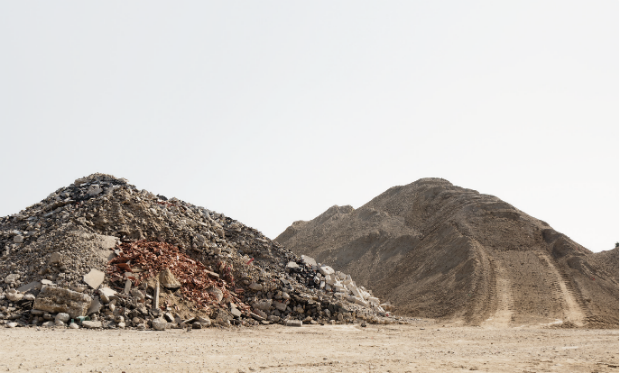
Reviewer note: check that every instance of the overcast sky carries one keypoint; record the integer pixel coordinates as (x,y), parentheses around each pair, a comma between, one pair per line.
(273,111)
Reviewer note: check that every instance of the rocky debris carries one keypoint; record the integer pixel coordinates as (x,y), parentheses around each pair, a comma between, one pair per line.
(112,256)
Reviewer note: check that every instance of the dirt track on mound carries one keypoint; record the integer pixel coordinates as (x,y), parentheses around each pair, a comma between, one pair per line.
(342,348)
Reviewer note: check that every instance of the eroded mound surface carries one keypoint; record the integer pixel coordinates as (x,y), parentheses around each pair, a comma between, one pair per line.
(441,251)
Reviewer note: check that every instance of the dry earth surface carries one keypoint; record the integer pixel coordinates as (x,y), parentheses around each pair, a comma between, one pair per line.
(426,347)
(436,250)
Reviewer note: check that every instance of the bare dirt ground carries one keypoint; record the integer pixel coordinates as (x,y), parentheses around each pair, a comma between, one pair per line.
(338,348)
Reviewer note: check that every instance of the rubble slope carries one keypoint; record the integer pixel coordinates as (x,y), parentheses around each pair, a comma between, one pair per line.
(124,257)
(437,250)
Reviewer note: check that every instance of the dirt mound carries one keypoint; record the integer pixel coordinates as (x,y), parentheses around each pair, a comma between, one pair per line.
(128,258)
(441,251)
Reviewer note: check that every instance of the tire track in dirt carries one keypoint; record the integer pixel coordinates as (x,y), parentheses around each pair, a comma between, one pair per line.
(502,316)
(572,311)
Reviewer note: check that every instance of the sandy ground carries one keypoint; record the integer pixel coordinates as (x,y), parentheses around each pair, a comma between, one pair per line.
(337,348)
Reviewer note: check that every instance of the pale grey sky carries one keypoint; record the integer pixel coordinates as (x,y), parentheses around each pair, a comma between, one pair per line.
(272,111)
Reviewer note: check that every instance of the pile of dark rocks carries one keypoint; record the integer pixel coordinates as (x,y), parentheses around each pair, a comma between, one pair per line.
(62,265)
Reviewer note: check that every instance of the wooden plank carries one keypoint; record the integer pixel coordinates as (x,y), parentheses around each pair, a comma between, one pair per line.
(156,298)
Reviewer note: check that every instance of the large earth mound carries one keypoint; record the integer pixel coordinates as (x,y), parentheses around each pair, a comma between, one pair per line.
(123,257)
(437,250)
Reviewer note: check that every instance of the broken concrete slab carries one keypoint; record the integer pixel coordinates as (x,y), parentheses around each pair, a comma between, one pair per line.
(308,260)
(54,299)
(94,278)
(106,294)
(326,270)
(291,266)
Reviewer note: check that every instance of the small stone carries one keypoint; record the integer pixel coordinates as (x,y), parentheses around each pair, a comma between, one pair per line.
(216,294)
(18,239)
(128,285)
(167,280)
(74,326)
(91,324)
(159,324)
(280,306)
(94,190)
(204,321)
(62,316)
(12,278)
(137,294)
(11,325)
(235,312)
(264,304)
(14,296)
(256,287)
(296,323)
(291,266)
(29,297)
(55,258)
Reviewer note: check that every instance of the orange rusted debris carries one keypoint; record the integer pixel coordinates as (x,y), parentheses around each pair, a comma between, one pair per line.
(153,257)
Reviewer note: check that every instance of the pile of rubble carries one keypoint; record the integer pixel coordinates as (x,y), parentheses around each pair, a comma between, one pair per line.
(103,254)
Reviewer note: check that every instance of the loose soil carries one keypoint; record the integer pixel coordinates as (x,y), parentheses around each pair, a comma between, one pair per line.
(426,347)
(437,250)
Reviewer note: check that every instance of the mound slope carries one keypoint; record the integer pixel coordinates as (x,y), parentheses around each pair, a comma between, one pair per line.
(437,250)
